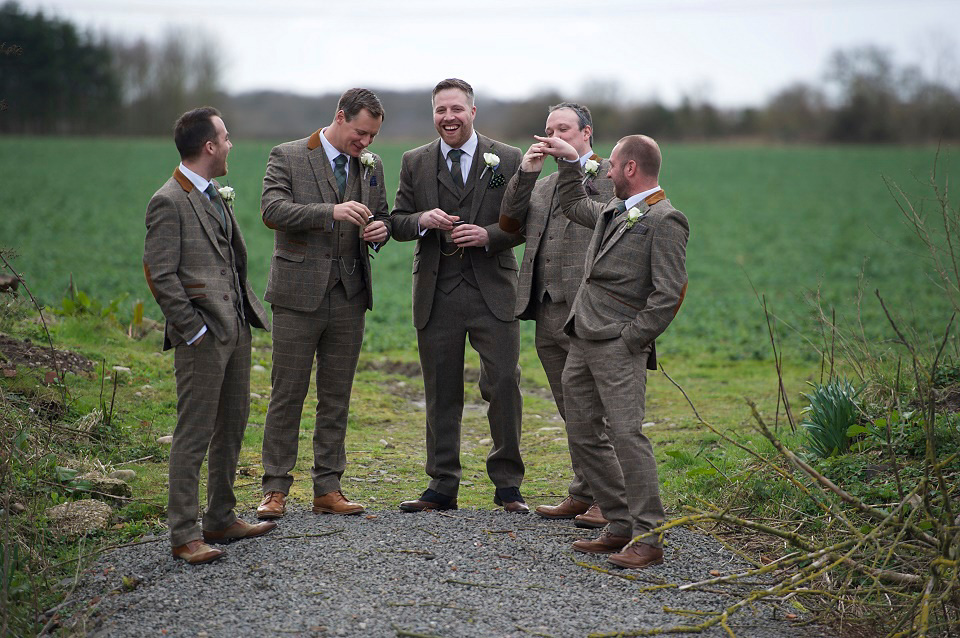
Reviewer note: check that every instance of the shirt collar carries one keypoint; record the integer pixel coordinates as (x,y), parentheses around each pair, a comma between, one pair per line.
(639,197)
(331,151)
(200,182)
(584,158)
(469,147)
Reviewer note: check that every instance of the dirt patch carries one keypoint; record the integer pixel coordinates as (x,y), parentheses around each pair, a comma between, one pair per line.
(27,353)
(387,366)
(950,400)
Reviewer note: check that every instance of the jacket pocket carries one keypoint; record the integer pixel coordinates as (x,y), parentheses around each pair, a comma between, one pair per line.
(508,262)
(288,255)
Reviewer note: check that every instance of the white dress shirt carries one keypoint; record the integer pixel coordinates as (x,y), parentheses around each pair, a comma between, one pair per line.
(633,200)
(333,153)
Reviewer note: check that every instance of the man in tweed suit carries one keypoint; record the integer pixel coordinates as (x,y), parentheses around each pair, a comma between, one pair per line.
(324,198)
(464,285)
(195,262)
(634,282)
(552,267)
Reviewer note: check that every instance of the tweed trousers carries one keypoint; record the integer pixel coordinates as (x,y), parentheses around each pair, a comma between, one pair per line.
(553,346)
(333,335)
(456,316)
(603,378)
(213,402)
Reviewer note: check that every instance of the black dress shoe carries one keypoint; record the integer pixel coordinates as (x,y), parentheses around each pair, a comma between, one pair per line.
(428,501)
(510,499)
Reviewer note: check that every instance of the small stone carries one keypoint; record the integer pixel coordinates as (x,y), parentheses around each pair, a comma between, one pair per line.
(123,475)
(648,424)
(146,387)
(259,368)
(387,444)
(121,369)
(17,508)
(79,517)
(485,442)
(549,428)
(254,395)
(108,487)
(165,440)
(138,394)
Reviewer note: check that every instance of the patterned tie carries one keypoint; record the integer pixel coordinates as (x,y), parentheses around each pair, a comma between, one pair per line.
(340,173)
(215,200)
(621,207)
(455,172)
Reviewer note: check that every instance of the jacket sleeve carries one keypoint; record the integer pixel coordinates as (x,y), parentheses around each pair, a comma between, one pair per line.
(669,277)
(516,201)
(382,213)
(574,202)
(277,206)
(161,262)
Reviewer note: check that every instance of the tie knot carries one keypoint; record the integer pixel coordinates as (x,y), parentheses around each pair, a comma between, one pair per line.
(211,190)
(454,154)
(340,160)
(621,207)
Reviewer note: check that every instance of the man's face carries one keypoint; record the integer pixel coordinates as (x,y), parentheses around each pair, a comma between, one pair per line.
(620,186)
(221,147)
(453,116)
(357,134)
(565,124)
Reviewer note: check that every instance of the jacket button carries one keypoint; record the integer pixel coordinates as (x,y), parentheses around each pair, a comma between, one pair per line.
(327,255)
(223,271)
(226,297)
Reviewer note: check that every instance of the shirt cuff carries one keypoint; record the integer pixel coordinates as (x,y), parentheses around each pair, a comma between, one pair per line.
(202,332)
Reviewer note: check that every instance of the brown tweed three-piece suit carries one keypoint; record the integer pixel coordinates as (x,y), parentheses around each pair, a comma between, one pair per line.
(320,285)
(551,271)
(196,267)
(460,294)
(634,282)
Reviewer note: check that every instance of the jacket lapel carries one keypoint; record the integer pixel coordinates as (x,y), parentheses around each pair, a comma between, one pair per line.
(615,230)
(320,164)
(206,214)
(484,145)
(364,176)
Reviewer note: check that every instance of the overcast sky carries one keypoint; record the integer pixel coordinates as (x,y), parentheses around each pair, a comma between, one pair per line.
(733,52)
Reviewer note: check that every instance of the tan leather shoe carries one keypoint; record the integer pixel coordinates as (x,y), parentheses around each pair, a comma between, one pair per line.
(591,519)
(196,552)
(335,503)
(606,543)
(418,505)
(638,556)
(273,505)
(568,508)
(239,529)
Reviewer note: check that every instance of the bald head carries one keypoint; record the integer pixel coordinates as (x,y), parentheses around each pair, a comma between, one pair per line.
(644,151)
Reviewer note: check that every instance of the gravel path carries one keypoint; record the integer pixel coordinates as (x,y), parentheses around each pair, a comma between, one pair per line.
(463,573)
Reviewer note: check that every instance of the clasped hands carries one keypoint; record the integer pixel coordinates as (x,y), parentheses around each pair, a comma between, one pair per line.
(532,161)
(360,216)
(464,235)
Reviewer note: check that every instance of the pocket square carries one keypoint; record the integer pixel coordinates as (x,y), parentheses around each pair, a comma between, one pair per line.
(373,180)
(497,181)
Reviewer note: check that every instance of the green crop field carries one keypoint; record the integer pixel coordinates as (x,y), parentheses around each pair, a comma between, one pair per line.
(784,221)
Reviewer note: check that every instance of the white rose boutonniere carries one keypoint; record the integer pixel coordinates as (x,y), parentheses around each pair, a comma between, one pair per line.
(227,194)
(591,168)
(633,216)
(492,161)
(369,162)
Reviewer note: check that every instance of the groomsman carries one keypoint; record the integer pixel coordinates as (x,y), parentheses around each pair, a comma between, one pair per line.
(634,282)
(195,262)
(552,267)
(464,286)
(324,197)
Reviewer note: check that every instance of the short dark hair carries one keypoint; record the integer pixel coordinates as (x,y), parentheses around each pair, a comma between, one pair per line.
(453,83)
(583,115)
(193,129)
(644,151)
(355,100)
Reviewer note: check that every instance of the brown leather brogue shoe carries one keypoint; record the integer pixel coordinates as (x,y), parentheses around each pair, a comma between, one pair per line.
(568,508)
(591,519)
(606,543)
(418,505)
(196,552)
(273,505)
(510,499)
(239,529)
(335,503)
(516,507)
(638,556)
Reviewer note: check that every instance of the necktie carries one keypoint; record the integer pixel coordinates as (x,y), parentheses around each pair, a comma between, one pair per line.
(340,173)
(621,207)
(455,172)
(215,200)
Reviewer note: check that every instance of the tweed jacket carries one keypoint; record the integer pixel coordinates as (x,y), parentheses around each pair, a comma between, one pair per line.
(635,277)
(496,267)
(189,276)
(528,204)
(299,193)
